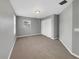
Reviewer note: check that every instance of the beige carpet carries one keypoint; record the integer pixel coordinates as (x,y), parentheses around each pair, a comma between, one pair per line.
(39,47)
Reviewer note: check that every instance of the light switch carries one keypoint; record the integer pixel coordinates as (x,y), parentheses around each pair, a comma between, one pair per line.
(76,29)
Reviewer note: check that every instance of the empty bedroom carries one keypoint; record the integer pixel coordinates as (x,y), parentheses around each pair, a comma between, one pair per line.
(39,29)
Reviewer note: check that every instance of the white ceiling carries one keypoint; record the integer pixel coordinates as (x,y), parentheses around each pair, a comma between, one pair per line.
(46,7)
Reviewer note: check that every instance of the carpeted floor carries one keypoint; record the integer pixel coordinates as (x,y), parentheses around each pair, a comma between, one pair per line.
(39,47)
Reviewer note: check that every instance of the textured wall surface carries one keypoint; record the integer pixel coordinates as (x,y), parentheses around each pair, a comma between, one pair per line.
(75,38)
(7,35)
(65,32)
(33,28)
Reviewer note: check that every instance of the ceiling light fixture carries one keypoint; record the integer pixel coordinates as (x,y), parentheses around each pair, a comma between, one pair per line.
(37,11)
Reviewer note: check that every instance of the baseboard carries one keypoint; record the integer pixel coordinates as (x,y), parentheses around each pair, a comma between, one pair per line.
(50,37)
(73,54)
(55,38)
(28,35)
(11,49)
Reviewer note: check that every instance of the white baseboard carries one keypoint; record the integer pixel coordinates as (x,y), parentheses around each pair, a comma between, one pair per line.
(11,49)
(55,38)
(50,37)
(75,55)
(27,35)
(70,51)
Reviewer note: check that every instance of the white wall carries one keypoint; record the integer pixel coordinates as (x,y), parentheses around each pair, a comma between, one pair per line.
(75,37)
(23,30)
(69,21)
(6,29)
(47,26)
(65,32)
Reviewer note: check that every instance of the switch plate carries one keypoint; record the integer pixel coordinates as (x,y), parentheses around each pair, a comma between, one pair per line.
(76,29)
